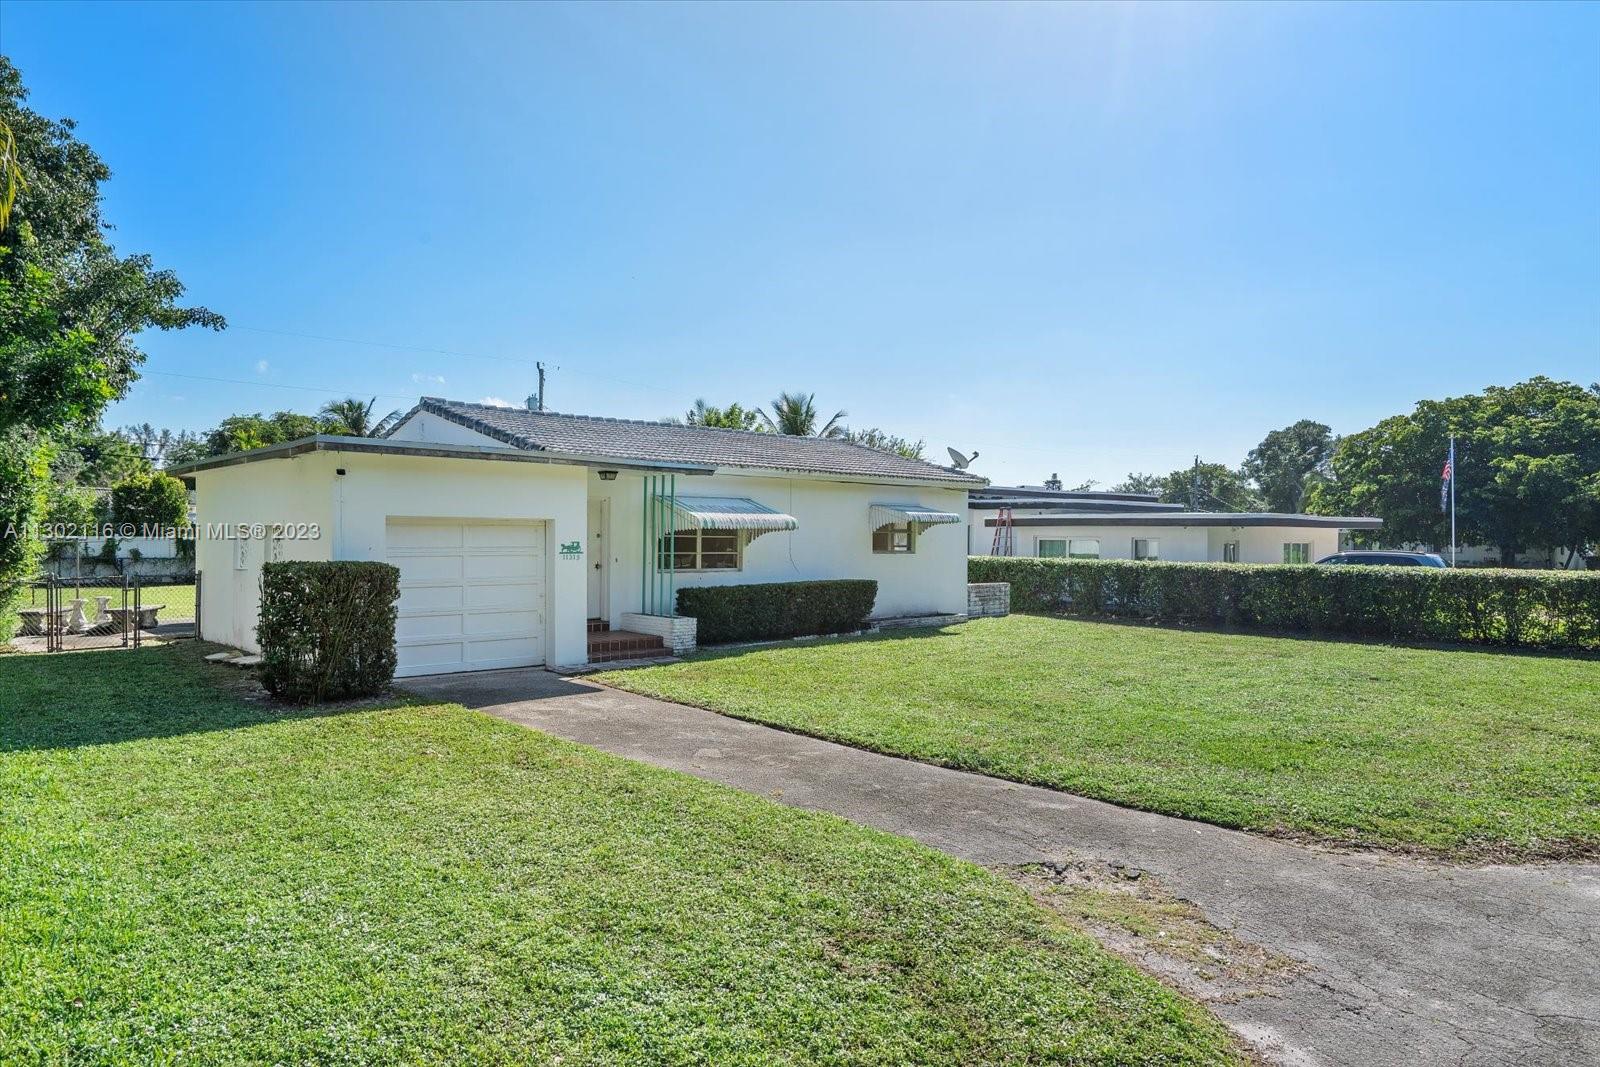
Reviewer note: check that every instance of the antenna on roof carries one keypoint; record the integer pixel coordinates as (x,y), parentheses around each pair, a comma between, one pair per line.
(961,462)
(536,402)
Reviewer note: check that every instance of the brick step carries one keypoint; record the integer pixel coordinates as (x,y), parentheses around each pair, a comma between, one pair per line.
(608,645)
(598,626)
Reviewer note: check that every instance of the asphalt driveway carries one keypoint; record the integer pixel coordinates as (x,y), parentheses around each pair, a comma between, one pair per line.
(1403,962)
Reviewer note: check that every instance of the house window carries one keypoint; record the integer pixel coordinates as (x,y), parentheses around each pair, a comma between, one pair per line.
(897,537)
(1083,548)
(703,550)
(1296,552)
(1230,552)
(1052,548)
(1146,548)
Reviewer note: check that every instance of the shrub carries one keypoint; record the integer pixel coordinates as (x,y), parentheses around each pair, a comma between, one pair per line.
(327,629)
(154,499)
(777,609)
(1539,609)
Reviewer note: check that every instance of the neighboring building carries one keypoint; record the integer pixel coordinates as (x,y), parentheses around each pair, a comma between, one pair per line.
(1051,522)
(513,528)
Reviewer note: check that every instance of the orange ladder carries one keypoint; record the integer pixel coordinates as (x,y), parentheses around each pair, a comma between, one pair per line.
(1005,540)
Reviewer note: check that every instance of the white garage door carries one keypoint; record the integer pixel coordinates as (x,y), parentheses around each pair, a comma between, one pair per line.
(471,595)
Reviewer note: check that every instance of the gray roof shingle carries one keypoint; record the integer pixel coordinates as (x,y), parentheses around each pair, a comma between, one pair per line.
(632,439)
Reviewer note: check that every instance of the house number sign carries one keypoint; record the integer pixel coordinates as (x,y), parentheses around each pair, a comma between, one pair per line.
(571,549)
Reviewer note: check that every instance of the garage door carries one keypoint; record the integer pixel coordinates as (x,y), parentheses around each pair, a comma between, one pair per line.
(471,595)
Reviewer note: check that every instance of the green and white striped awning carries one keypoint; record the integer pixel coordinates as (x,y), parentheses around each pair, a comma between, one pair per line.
(728,513)
(881,515)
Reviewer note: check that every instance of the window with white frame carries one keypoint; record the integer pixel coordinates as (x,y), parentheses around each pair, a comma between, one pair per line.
(899,537)
(1083,548)
(1230,552)
(1146,548)
(1052,548)
(1296,552)
(703,550)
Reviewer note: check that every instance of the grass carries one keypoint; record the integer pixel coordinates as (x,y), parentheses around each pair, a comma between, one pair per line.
(190,874)
(1450,752)
(177,601)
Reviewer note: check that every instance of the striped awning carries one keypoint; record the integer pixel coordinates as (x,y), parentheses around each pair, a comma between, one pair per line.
(881,515)
(728,513)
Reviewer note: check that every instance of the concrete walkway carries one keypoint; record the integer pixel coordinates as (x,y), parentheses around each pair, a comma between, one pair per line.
(1406,963)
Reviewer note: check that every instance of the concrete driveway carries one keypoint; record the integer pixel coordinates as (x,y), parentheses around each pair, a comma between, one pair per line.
(1404,962)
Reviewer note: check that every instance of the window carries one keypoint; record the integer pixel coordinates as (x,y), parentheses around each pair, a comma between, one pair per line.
(703,550)
(1296,552)
(1052,548)
(1230,552)
(1083,548)
(897,537)
(1146,548)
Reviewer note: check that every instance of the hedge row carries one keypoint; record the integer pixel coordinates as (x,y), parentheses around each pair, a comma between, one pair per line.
(1537,609)
(326,630)
(775,610)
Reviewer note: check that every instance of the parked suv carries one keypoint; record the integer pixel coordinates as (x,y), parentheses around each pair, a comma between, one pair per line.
(1385,559)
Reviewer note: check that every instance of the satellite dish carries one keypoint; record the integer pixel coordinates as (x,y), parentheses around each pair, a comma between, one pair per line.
(961,462)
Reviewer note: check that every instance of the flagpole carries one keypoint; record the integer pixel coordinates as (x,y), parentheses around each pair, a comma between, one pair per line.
(1452,500)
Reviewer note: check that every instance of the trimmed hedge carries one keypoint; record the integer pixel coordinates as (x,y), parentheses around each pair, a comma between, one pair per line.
(1526,609)
(327,629)
(774,610)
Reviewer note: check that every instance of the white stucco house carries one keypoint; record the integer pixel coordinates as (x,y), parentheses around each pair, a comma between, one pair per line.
(526,537)
(1047,522)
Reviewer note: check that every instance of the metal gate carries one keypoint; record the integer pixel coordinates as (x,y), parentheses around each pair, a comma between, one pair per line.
(72,614)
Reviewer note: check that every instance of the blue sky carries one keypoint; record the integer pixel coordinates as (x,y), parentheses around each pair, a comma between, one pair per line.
(1087,239)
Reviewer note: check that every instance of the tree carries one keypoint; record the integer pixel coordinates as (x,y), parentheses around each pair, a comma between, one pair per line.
(732,417)
(352,418)
(886,442)
(70,306)
(1527,470)
(153,499)
(70,310)
(157,446)
(1150,484)
(795,414)
(95,458)
(240,433)
(1288,462)
(1203,487)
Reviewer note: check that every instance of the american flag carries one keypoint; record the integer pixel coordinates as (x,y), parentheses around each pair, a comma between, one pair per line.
(1447,477)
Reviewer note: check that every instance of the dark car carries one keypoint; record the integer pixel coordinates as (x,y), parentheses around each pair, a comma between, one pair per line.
(1384,559)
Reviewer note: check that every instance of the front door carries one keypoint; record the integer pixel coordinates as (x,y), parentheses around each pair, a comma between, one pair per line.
(598,558)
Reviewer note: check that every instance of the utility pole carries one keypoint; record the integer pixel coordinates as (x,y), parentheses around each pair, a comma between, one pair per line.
(1453,503)
(1194,486)
(541,387)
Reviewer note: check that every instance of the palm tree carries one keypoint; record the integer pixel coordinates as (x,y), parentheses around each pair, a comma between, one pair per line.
(795,414)
(352,418)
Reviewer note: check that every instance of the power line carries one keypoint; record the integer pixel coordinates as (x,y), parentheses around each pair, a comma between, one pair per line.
(275,385)
(439,352)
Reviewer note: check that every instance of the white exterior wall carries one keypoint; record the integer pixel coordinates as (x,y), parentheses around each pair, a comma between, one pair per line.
(833,540)
(1183,544)
(289,491)
(353,511)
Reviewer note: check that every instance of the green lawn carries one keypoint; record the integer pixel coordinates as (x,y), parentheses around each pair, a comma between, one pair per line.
(188,875)
(1467,754)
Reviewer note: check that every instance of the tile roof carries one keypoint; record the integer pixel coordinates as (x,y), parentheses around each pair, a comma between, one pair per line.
(632,439)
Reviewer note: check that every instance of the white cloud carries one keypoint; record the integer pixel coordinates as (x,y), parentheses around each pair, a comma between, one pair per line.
(262,366)
(428,379)
(497,402)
